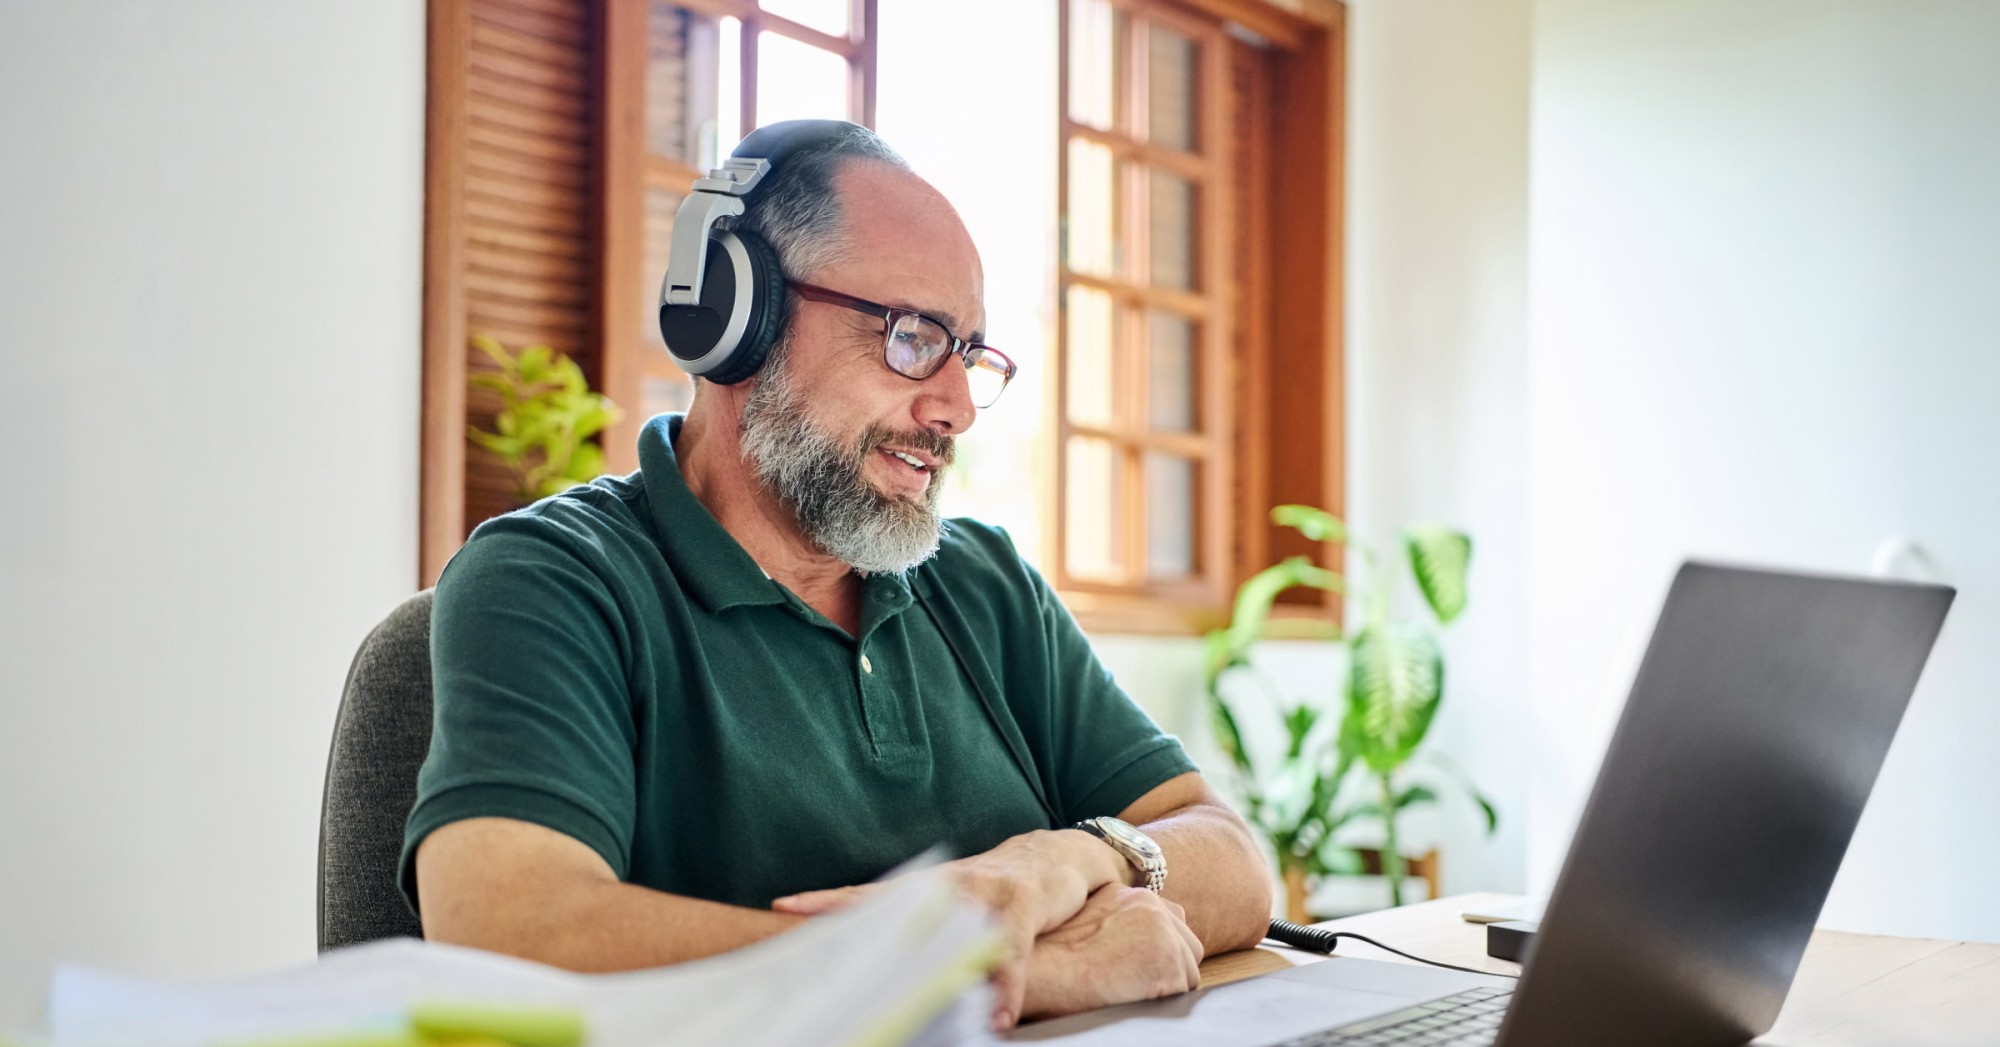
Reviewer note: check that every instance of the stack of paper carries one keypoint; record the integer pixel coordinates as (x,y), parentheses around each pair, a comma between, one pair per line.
(906,965)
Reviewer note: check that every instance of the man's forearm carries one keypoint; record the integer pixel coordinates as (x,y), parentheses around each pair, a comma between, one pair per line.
(566,909)
(1216,872)
(614,927)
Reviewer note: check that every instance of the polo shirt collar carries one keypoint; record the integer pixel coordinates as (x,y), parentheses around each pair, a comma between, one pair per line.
(706,558)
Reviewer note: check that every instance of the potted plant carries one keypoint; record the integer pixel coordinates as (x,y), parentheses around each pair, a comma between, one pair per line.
(547,417)
(1329,773)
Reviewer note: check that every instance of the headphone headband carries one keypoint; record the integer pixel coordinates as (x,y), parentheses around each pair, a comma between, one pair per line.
(725,332)
(725,192)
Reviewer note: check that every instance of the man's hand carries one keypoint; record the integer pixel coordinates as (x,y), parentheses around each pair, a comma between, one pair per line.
(1033,883)
(1125,944)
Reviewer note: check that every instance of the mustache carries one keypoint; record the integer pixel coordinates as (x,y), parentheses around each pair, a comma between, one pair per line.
(938,446)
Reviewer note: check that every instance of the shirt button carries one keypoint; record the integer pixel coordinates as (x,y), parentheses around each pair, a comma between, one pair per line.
(866,665)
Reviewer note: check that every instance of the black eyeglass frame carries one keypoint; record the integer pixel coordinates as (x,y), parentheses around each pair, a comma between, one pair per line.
(889,314)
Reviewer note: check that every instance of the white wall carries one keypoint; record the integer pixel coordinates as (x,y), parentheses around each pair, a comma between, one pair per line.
(1765,246)
(210,278)
(1437,358)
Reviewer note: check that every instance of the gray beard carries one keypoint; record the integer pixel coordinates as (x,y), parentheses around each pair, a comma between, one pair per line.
(823,484)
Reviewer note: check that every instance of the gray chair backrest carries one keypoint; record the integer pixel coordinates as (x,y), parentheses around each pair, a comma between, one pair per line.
(380,737)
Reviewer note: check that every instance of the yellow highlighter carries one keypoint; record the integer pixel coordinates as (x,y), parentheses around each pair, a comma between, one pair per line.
(466,1023)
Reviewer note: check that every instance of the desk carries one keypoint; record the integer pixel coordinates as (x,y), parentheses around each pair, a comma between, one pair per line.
(1852,990)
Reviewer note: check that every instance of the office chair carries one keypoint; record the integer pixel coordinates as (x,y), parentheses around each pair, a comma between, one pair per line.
(380,737)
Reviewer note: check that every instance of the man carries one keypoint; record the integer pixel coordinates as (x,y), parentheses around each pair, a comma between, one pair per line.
(682,711)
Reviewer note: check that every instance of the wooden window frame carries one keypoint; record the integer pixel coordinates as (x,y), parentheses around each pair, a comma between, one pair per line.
(1271,400)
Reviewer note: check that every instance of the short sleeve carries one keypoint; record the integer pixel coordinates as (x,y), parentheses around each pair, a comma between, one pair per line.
(533,711)
(1107,753)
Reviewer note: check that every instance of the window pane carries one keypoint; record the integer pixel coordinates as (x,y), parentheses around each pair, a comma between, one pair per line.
(798,81)
(1089,351)
(1094,534)
(1094,29)
(827,16)
(714,89)
(1092,226)
(1170,516)
(1170,386)
(1170,105)
(1171,206)
(671,114)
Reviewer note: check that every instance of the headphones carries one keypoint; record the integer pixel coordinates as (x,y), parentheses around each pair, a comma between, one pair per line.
(722,304)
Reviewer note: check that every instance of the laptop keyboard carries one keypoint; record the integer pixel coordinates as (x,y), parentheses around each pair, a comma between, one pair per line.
(1469,1019)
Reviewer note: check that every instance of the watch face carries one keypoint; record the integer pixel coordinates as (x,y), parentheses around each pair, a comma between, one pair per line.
(1129,836)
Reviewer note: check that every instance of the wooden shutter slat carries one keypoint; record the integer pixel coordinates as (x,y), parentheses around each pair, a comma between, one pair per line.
(484,135)
(499,238)
(514,336)
(511,216)
(510,67)
(507,116)
(576,11)
(563,29)
(564,328)
(504,287)
(489,37)
(560,272)
(545,196)
(508,168)
(486,88)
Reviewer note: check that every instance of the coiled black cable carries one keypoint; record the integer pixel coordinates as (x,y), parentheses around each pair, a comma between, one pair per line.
(1314,939)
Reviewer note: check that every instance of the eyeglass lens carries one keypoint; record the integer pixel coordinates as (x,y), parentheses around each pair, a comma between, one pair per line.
(917,348)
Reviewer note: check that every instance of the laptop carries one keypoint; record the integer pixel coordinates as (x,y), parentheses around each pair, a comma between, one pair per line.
(1753,734)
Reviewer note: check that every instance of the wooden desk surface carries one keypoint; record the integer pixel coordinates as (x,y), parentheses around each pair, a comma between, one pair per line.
(1853,990)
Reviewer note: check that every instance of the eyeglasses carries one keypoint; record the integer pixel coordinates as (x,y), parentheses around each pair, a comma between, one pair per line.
(916,346)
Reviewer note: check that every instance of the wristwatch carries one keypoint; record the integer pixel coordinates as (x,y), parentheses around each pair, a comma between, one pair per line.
(1135,846)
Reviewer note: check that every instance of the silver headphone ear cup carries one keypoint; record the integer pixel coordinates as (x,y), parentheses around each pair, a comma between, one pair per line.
(764,323)
(703,337)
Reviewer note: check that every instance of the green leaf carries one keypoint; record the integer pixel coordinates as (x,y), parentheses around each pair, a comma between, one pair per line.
(1394,682)
(1298,724)
(1438,557)
(1486,806)
(1217,656)
(556,485)
(586,464)
(1316,524)
(1414,795)
(1255,596)
(493,352)
(1227,734)
(547,417)
(534,363)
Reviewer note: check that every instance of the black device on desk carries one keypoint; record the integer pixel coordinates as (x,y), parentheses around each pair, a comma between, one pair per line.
(1754,732)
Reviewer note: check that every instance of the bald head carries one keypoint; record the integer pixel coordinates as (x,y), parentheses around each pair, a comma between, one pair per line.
(901,239)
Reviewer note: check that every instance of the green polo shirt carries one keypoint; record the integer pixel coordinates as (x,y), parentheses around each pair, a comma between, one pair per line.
(611,664)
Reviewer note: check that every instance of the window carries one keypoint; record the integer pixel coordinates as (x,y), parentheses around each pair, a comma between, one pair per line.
(1182,243)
